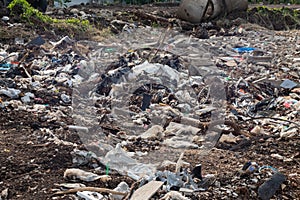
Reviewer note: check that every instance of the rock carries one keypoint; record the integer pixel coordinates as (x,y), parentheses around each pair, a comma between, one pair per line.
(74,11)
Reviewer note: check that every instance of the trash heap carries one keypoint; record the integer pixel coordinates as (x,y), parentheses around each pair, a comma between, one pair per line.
(141,102)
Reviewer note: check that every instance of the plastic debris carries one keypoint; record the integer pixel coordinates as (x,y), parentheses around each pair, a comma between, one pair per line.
(150,97)
(67,40)
(84,176)
(244,49)
(86,195)
(11,92)
(71,185)
(121,161)
(38,41)
(174,195)
(5,66)
(81,157)
(155,132)
(122,187)
(288,84)
(65,98)
(85,129)
(267,167)
(27,97)
(250,167)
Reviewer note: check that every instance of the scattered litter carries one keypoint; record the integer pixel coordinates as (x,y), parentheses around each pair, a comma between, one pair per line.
(160,113)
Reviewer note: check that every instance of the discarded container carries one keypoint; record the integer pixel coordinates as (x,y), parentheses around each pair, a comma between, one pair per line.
(192,10)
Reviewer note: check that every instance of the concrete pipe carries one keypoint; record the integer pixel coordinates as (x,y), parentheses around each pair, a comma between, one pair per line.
(196,10)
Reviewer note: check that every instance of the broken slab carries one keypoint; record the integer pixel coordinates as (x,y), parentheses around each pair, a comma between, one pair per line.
(147,191)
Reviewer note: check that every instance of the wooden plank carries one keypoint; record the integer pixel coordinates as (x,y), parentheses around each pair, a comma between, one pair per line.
(147,191)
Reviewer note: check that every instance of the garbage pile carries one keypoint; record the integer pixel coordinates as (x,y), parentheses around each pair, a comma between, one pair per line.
(142,99)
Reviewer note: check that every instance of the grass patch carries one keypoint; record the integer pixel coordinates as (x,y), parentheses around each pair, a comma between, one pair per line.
(25,12)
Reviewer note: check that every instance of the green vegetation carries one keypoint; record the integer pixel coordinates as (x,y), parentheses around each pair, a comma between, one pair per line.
(275,18)
(30,14)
